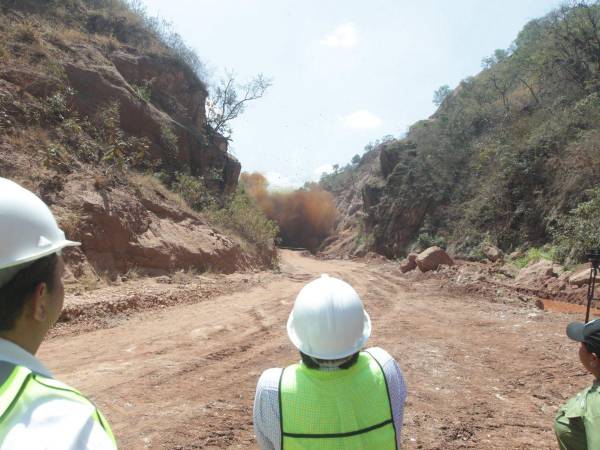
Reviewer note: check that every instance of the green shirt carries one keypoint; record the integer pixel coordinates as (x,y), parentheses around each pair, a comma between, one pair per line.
(577,424)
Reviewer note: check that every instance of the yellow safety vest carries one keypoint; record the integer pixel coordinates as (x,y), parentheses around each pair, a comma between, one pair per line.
(21,389)
(343,409)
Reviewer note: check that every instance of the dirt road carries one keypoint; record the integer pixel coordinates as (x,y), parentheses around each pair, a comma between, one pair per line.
(484,371)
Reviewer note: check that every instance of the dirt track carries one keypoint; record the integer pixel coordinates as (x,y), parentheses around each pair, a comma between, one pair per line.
(483,371)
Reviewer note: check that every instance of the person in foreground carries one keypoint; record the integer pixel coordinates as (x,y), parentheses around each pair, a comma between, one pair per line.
(36,410)
(577,424)
(337,396)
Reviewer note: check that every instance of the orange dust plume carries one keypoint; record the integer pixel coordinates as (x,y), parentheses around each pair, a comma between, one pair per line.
(305,216)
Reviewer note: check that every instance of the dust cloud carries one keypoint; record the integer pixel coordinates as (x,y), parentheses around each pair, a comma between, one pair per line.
(305,216)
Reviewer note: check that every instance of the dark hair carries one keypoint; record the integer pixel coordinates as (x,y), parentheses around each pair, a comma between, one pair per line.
(15,293)
(312,364)
(590,348)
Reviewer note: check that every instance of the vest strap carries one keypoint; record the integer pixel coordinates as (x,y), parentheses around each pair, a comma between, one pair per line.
(339,435)
(12,388)
(387,389)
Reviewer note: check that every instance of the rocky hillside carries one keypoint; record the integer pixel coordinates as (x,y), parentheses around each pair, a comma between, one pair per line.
(93,94)
(510,158)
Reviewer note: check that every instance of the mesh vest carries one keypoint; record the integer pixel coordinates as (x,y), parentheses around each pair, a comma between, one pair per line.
(21,389)
(344,409)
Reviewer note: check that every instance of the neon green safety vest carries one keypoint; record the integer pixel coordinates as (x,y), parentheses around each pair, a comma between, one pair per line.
(20,389)
(343,409)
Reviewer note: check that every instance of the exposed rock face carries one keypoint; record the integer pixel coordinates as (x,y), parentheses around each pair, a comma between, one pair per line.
(35,83)
(173,87)
(393,223)
(389,156)
(98,82)
(368,203)
(352,200)
(432,258)
(122,229)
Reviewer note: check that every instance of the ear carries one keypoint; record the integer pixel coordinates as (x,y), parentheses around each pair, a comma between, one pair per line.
(39,308)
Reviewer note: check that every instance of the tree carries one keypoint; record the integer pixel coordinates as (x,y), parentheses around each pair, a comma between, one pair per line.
(574,32)
(228,100)
(356,159)
(498,56)
(440,94)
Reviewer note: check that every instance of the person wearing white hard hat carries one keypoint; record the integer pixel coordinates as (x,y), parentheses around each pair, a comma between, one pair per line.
(338,396)
(36,410)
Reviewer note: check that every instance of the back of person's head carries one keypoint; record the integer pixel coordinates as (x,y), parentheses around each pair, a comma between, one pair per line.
(328,321)
(30,241)
(14,293)
(316,363)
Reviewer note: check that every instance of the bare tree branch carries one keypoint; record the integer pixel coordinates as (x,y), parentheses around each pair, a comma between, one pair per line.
(225,104)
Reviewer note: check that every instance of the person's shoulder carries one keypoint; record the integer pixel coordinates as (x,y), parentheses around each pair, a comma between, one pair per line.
(269,379)
(380,355)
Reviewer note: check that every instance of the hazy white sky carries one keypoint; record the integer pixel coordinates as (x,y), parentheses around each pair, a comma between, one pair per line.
(345,72)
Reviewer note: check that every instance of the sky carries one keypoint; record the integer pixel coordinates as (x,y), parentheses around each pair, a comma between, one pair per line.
(344,72)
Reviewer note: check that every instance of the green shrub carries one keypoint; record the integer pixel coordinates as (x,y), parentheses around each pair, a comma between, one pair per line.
(576,234)
(194,191)
(119,150)
(243,215)
(59,104)
(143,91)
(534,255)
(426,240)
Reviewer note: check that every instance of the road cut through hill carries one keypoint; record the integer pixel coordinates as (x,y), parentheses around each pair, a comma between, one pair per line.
(484,370)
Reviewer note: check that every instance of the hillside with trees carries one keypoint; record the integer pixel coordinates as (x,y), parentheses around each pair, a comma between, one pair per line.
(511,157)
(107,115)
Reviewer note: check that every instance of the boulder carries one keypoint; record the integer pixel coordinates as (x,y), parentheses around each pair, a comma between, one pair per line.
(536,274)
(410,263)
(581,278)
(508,270)
(514,255)
(431,259)
(492,252)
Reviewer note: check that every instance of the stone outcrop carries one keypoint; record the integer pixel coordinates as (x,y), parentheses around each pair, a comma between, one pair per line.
(99,82)
(142,229)
(173,87)
(390,155)
(581,278)
(432,258)
(492,252)
(536,274)
(410,263)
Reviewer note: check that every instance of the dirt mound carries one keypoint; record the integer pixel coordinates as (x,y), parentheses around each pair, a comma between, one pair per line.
(142,227)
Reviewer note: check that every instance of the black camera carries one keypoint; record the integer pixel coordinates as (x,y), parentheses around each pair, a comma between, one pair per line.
(594,259)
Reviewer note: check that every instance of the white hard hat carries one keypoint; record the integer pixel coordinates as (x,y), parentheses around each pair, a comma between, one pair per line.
(328,320)
(28,230)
